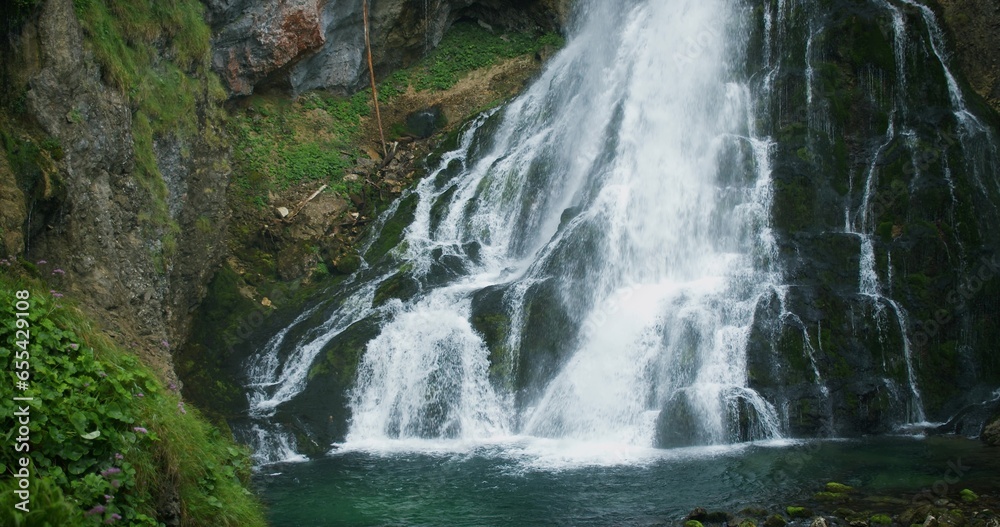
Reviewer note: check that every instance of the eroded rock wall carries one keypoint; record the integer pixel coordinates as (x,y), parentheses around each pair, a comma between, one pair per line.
(313,44)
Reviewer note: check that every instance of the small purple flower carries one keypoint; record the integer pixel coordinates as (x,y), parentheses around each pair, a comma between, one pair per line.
(41,262)
(111,471)
(108,497)
(114,517)
(165,343)
(55,294)
(140,430)
(139,395)
(119,456)
(98,509)
(75,346)
(58,271)
(180,406)
(172,387)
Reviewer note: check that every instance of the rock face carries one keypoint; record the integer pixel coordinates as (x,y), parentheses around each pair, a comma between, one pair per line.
(254,39)
(991,434)
(974,25)
(883,212)
(306,44)
(91,212)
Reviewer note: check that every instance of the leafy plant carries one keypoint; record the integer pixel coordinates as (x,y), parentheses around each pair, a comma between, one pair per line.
(107,438)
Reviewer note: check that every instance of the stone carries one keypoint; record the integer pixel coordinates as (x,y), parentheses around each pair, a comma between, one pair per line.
(819,521)
(698,513)
(798,512)
(254,39)
(991,433)
(281,212)
(426,122)
(881,519)
(776,520)
(838,487)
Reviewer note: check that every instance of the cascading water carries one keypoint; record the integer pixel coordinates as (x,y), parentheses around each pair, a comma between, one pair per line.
(595,260)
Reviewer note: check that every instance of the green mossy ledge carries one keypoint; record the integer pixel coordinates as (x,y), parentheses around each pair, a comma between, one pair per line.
(109,443)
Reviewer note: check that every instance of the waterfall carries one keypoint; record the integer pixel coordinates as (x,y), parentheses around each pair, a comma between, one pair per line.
(640,187)
(591,262)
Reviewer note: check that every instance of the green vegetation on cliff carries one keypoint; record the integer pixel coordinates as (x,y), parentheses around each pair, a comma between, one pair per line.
(157,55)
(109,443)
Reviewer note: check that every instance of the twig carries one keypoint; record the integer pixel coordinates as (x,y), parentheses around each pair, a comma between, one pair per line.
(371,72)
(303,203)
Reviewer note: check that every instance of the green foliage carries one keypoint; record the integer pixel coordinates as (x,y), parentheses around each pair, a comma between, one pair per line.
(279,143)
(107,438)
(466,47)
(881,519)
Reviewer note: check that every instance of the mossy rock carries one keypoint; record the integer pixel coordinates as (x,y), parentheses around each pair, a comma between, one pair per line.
(756,512)
(880,519)
(776,520)
(831,496)
(844,512)
(693,523)
(798,512)
(838,487)
(718,517)
(747,523)
(348,263)
(968,496)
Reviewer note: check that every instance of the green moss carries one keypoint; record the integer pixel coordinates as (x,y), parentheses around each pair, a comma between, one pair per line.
(881,519)
(96,408)
(401,285)
(391,233)
(968,496)
(693,523)
(465,47)
(830,496)
(838,487)
(798,512)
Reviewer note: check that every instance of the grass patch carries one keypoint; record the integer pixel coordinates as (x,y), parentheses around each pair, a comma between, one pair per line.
(466,47)
(279,143)
(109,442)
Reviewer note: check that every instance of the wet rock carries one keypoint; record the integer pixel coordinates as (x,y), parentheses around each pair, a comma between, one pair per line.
(819,521)
(425,123)
(798,512)
(915,515)
(698,513)
(838,487)
(880,519)
(775,520)
(991,433)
